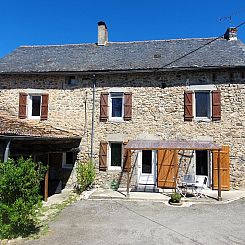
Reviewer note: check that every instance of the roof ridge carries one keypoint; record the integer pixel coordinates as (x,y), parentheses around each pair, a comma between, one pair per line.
(56,45)
(167,40)
(117,42)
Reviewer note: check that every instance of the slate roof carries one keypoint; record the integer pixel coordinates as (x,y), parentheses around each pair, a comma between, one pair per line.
(119,56)
(12,126)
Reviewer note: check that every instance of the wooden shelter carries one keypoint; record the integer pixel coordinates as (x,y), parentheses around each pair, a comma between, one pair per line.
(167,160)
(41,141)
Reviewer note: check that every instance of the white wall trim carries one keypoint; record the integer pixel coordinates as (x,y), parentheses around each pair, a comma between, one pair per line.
(210,87)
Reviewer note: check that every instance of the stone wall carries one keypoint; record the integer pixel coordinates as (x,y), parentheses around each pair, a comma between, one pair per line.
(158,109)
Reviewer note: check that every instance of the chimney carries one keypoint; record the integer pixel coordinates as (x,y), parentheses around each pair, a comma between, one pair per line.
(102,33)
(231,33)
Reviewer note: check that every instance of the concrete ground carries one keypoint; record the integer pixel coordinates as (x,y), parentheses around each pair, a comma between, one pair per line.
(121,221)
(211,196)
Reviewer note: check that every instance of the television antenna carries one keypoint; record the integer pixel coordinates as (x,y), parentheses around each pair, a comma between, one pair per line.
(231,16)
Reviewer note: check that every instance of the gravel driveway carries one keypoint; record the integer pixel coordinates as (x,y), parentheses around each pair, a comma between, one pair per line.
(130,222)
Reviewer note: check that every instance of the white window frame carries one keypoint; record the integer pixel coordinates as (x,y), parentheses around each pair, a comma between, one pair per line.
(64,164)
(109,156)
(201,88)
(116,119)
(210,106)
(29,106)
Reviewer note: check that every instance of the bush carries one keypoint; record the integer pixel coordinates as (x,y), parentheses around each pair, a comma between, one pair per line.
(19,197)
(85,175)
(175,197)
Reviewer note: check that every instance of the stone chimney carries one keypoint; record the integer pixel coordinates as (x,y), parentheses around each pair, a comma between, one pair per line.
(102,33)
(231,33)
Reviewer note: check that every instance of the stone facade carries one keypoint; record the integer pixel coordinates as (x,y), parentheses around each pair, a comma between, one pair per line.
(157,109)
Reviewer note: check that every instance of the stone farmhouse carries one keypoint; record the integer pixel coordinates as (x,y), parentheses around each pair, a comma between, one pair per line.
(146,112)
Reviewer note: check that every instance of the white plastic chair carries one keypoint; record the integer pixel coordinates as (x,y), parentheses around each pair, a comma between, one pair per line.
(200,184)
(187,183)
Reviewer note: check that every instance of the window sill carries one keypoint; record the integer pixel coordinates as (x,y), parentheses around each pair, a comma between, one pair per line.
(202,119)
(116,119)
(111,168)
(34,118)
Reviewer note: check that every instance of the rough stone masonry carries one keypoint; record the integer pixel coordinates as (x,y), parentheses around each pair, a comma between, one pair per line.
(158,109)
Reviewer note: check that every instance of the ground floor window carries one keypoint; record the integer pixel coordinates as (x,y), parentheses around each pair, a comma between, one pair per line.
(115,156)
(68,160)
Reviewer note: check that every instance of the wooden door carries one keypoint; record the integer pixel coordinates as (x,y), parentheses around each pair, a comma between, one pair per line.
(167,168)
(224,168)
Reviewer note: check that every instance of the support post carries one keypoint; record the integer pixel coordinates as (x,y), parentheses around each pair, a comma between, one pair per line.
(219,178)
(128,177)
(46,186)
(128,173)
(46,183)
(6,153)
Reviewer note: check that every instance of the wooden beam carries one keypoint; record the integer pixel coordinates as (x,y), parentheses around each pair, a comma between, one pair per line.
(128,173)
(46,186)
(46,183)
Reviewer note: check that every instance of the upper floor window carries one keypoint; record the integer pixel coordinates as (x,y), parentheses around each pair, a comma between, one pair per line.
(116,106)
(202,103)
(33,106)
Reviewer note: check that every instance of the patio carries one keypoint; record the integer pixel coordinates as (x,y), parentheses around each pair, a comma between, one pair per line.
(169,157)
(163,196)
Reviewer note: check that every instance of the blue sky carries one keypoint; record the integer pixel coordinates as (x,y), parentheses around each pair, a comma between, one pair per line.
(41,22)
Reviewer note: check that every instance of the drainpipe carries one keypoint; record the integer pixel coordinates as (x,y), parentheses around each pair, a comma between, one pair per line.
(93,113)
(6,153)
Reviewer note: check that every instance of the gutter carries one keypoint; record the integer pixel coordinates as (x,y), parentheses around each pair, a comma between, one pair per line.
(16,137)
(148,70)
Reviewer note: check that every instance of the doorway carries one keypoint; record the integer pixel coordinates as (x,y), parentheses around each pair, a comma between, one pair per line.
(147,167)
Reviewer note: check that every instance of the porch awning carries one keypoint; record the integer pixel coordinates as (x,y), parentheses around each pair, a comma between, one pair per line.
(172,145)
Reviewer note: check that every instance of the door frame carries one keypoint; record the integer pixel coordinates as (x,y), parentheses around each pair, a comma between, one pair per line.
(150,178)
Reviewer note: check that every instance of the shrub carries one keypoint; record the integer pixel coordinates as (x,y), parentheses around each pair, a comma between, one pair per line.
(175,197)
(85,175)
(19,196)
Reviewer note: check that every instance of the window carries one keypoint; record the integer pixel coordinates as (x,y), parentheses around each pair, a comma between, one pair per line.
(116,106)
(68,160)
(72,80)
(33,106)
(202,104)
(115,155)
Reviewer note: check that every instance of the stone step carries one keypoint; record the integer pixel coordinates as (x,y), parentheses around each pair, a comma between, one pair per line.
(146,188)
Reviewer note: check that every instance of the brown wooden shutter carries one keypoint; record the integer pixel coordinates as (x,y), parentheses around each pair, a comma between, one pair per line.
(188,114)
(104,107)
(44,107)
(167,171)
(22,105)
(224,168)
(103,156)
(216,105)
(127,106)
(126,158)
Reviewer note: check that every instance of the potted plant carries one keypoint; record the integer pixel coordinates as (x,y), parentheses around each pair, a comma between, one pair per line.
(175,199)
(114,185)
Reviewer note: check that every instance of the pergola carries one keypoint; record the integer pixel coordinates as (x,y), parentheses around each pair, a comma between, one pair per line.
(175,145)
